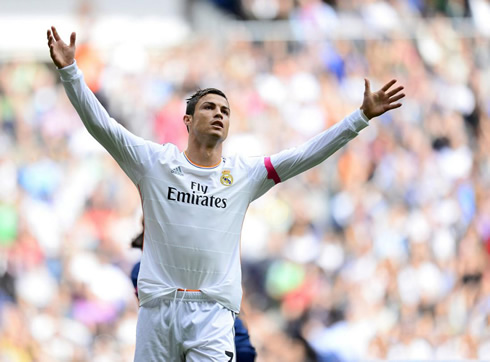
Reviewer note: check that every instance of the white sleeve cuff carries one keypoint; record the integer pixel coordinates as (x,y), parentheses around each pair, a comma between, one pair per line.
(363,115)
(359,120)
(70,72)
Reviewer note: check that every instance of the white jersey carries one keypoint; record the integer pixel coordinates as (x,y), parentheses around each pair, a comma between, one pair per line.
(193,215)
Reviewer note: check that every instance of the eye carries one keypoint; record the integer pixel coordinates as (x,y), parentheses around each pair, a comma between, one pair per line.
(225,111)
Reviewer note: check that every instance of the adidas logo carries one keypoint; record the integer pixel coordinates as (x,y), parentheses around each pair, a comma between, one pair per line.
(177,171)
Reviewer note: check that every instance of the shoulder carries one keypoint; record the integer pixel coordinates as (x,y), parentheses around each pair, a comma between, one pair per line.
(246,162)
(170,147)
(168,150)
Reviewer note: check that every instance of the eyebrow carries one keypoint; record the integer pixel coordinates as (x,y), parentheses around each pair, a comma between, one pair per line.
(214,104)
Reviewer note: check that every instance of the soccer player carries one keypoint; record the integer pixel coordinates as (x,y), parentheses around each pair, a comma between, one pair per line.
(194,203)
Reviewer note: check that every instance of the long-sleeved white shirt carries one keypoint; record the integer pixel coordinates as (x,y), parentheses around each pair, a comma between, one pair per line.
(193,215)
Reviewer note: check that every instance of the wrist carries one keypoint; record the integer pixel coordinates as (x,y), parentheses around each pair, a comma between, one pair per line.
(365,113)
(69,72)
(65,64)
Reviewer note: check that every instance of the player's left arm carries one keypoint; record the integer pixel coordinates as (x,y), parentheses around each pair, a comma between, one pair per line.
(291,162)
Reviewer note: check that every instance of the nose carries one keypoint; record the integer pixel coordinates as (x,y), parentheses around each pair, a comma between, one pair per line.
(218,114)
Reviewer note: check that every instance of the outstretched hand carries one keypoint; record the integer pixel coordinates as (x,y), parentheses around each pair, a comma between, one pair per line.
(61,53)
(375,104)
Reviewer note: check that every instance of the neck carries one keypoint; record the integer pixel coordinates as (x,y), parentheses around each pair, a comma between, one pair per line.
(204,155)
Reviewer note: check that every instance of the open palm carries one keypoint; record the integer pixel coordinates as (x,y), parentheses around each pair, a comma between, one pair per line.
(377,103)
(62,54)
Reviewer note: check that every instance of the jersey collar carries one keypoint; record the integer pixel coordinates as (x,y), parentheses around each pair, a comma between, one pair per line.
(200,166)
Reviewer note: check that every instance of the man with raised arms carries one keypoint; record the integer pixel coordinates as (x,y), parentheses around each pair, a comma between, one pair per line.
(194,203)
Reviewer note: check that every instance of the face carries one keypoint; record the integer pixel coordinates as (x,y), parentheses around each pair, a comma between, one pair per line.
(211,117)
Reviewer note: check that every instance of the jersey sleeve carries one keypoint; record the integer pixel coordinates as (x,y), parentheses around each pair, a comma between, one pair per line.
(291,162)
(134,154)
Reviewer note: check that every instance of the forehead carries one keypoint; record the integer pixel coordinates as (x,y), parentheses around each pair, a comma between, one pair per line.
(214,98)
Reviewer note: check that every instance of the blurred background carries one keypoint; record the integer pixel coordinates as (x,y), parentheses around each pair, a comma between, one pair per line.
(381,252)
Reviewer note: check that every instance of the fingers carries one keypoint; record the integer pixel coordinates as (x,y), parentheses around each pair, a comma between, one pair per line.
(50,41)
(393,95)
(367,86)
(73,38)
(388,85)
(393,106)
(53,37)
(393,92)
(55,33)
(396,98)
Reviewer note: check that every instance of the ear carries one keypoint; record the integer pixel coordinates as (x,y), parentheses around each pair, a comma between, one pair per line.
(187,120)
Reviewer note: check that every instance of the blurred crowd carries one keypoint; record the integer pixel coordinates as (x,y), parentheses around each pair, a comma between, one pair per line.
(284,9)
(381,252)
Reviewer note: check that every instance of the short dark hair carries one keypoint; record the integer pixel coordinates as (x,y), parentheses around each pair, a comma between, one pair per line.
(192,100)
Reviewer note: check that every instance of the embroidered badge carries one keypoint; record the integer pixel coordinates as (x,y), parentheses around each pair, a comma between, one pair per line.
(226,178)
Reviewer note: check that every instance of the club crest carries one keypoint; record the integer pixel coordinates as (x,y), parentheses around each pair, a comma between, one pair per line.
(226,178)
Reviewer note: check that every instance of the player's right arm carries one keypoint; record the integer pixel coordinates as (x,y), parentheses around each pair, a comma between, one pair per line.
(132,153)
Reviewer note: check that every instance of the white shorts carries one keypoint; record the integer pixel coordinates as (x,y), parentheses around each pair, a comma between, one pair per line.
(184,326)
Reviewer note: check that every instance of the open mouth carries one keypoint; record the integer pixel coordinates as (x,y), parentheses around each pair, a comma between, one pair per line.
(217,124)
